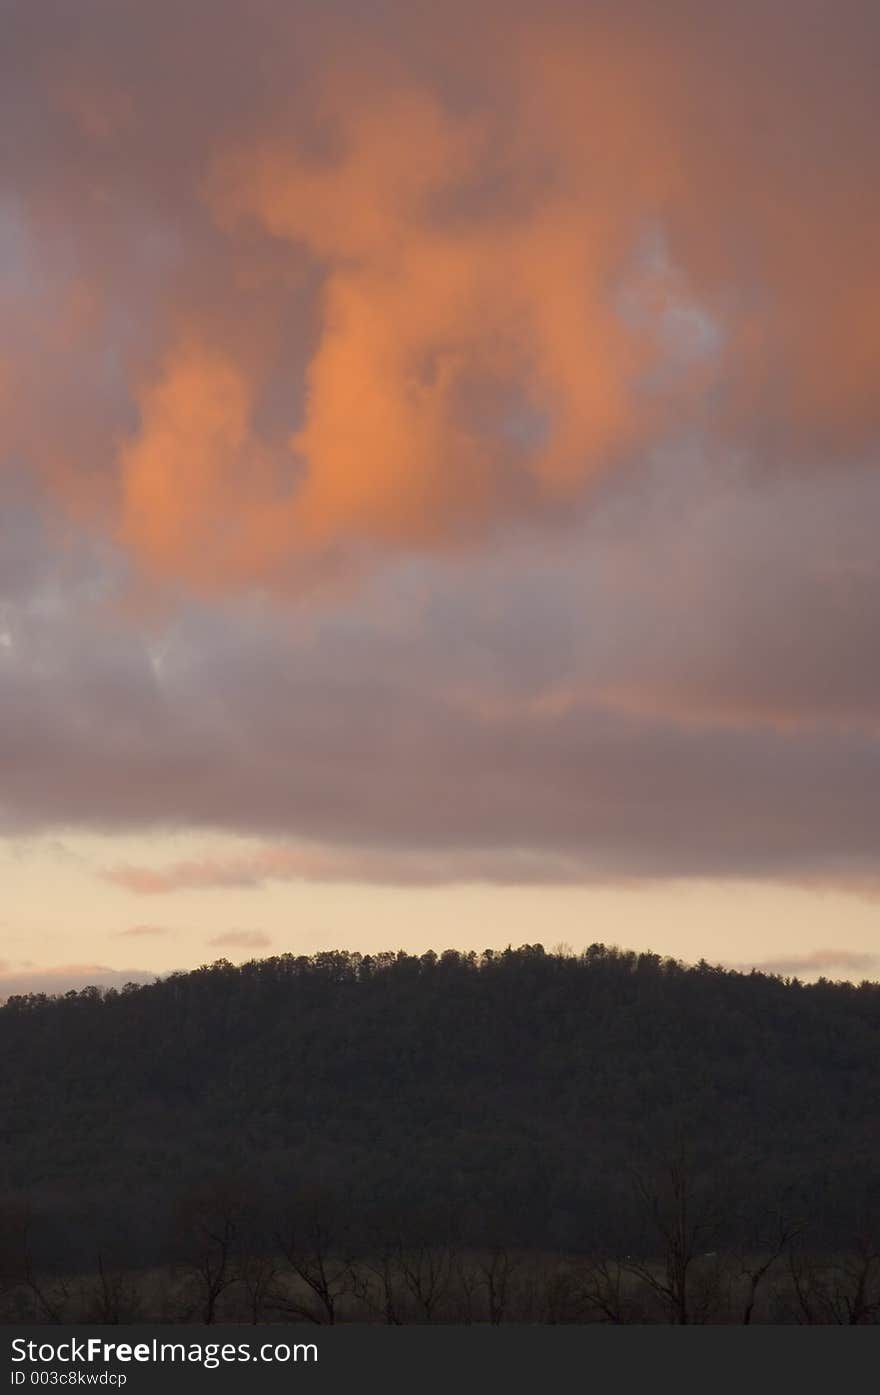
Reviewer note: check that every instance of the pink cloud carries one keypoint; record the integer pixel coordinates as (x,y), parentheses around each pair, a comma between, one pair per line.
(60,978)
(241,939)
(353,864)
(138,931)
(817,961)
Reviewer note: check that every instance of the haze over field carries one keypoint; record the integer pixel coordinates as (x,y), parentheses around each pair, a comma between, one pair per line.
(438,481)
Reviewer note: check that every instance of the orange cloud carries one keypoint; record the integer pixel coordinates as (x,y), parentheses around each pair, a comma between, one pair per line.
(454,375)
(469,358)
(184,478)
(409,301)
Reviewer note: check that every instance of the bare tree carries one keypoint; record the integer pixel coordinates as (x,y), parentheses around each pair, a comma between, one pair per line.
(772,1242)
(844,1291)
(426,1270)
(605,1286)
(466,1284)
(258,1273)
(52,1297)
(113,1297)
(314,1245)
(498,1270)
(377,1283)
(857,1293)
(684,1221)
(562,1296)
(207,1223)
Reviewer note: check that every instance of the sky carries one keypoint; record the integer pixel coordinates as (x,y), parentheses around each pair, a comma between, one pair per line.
(438,481)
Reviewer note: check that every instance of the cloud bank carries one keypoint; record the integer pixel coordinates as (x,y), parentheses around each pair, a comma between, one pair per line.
(443,447)
(685,685)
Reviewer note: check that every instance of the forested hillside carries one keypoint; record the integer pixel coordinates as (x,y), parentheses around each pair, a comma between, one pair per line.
(516,1092)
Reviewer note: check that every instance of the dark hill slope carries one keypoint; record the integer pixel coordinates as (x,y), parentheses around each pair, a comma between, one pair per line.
(518,1083)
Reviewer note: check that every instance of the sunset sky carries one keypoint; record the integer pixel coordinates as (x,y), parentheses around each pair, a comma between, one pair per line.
(439,487)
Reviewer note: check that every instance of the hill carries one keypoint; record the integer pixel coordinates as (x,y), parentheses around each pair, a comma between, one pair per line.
(515,1091)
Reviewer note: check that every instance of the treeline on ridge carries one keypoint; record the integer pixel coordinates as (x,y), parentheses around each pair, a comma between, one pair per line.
(509,1097)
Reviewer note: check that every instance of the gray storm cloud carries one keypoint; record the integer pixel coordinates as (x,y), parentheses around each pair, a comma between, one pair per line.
(628,703)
